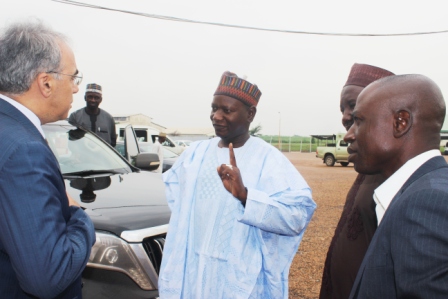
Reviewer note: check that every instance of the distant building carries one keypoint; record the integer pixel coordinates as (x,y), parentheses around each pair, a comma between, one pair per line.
(179,133)
(138,119)
(192,134)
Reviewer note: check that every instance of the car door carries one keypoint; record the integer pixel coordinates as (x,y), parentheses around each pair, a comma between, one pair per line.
(341,150)
(131,149)
(145,161)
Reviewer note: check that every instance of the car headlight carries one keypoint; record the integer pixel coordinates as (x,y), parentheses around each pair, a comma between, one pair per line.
(112,253)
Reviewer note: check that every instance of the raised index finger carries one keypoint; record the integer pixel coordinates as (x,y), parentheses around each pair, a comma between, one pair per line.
(232,155)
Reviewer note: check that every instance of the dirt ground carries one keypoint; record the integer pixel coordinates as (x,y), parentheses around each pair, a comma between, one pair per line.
(329,186)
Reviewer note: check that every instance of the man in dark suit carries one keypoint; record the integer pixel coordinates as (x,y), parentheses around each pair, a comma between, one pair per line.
(396,132)
(45,236)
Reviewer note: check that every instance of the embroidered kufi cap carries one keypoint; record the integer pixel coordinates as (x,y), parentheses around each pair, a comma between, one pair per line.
(93,87)
(364,74)
(232,86)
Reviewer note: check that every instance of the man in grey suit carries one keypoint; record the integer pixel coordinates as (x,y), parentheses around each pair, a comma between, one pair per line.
(396,132)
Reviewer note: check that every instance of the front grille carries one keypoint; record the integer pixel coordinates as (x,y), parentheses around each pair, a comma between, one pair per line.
(154,249)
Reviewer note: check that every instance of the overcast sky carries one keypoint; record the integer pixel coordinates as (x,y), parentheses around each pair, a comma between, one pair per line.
(170,70)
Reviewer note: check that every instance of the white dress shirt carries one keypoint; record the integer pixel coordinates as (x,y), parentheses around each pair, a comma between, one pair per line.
(27,112)
(384,194)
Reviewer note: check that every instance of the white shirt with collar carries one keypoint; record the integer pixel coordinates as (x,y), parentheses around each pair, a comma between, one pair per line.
(27,112)
(384,194)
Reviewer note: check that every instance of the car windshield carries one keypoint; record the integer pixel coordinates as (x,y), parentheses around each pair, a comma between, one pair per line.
(79,151)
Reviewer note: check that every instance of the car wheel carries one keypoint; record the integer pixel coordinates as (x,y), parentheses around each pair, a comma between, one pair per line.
(344,164)
(329,160)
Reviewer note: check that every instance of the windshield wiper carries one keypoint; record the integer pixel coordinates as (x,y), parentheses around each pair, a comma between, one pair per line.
(88,173)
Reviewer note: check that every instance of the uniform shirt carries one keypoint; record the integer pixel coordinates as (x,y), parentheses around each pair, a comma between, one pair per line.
(102,124)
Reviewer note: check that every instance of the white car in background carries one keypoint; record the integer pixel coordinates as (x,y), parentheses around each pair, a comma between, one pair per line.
(184,143)
(148,134)
(169,157)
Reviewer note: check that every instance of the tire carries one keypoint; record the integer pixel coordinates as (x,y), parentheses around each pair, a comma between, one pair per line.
(344,164)
(329,160)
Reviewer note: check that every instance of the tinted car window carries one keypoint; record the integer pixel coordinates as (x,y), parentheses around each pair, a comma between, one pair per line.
(167,142)
(120,148)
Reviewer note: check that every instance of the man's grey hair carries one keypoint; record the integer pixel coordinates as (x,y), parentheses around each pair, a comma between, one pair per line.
(26,50)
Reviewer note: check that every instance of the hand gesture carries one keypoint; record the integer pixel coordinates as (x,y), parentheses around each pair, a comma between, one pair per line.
(231,178)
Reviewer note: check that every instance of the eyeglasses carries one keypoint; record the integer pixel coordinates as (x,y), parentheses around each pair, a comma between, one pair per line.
(77,79)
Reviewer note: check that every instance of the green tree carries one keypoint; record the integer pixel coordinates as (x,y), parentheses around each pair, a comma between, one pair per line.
(255,131)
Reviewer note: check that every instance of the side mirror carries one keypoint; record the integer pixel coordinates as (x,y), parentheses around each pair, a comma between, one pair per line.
(146,161)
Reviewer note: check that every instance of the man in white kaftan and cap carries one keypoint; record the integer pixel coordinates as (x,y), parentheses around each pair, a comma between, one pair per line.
(239,208)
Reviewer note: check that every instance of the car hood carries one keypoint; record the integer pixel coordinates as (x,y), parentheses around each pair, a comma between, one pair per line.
(119,202)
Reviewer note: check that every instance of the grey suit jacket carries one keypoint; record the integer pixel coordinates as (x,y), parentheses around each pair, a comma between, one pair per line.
(408,255)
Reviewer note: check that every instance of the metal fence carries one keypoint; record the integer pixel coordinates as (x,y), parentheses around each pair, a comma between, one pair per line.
(303,144)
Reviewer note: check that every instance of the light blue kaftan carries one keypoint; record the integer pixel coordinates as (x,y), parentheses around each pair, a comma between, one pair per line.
(216,248)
